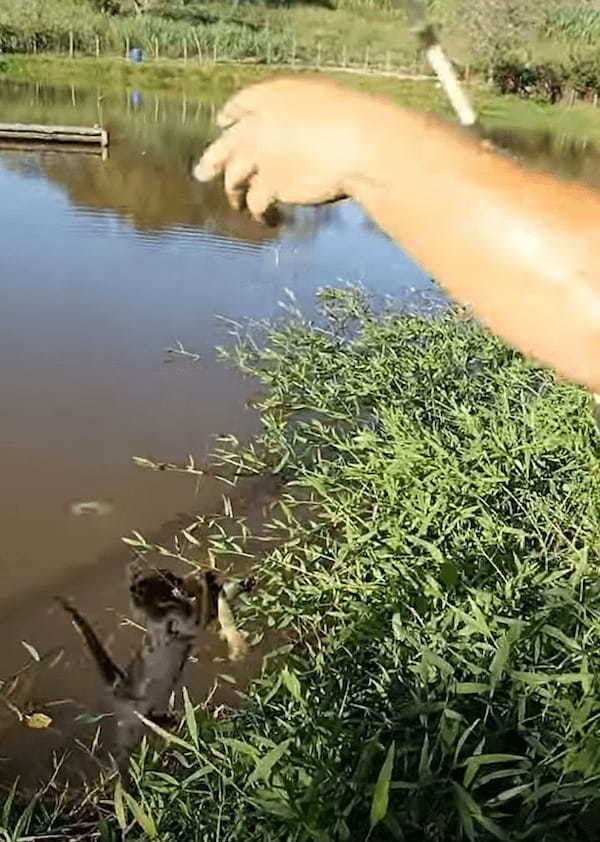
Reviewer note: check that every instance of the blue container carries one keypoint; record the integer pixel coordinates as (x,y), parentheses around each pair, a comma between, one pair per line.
(136,99)
(136,55)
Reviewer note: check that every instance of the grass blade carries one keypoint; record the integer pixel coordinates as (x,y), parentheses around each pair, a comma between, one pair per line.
(381,793)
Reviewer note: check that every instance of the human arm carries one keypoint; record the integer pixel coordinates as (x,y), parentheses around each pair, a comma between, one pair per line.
(519,247)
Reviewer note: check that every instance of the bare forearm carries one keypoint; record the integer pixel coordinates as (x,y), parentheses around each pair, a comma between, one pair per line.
(521,248)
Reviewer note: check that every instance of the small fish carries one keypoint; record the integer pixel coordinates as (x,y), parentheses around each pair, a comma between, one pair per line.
(99,508)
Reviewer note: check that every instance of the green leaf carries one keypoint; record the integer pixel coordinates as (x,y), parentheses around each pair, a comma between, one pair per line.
(397,626)
(190,717)
(473,763)
(266,763)
(202,772)
(427,545)
(8,803)
(145,821)
(467,808)
(449,574)
(485,759)
(106,831)
(491,826)
(510,793)
(91,718)
(290,681)
(464,688)
(276,807)
(120,806)
(381,793)
(241,747)
(500,659)
(538,679)
(166,735)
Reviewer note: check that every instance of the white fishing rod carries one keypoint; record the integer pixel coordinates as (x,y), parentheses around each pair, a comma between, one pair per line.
(439,61)
(448,78)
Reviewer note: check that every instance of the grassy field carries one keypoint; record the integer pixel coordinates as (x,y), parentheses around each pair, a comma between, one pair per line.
(214,30)
(435,587)
(362,33)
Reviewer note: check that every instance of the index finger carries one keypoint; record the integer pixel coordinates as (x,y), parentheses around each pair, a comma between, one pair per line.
(215,158)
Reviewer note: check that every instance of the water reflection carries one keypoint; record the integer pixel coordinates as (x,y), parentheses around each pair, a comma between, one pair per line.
(558,153)
(146,177)
(103,265)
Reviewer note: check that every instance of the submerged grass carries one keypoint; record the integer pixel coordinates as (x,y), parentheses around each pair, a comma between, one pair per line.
(437,588)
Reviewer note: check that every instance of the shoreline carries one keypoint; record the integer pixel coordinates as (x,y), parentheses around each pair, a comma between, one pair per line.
(216,81)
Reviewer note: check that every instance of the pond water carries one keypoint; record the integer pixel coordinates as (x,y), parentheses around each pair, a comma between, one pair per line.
(105,262)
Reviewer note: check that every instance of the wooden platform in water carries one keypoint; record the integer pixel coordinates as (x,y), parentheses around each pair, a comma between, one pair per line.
(54,134)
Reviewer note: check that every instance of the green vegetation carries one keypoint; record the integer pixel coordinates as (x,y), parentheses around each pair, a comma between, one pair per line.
(213,83)
(369,34)
(574,22)
(435,585)
(211,31)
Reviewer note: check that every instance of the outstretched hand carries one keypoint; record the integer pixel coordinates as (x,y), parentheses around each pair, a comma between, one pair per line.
(297,141)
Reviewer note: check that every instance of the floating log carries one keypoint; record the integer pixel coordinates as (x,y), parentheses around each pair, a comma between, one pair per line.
(55,148)
(54,134)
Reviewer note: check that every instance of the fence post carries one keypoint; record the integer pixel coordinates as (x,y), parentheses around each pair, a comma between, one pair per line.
(71,44)
(97,46)
(127,47)
(34,44)
(185,50)
(156,54)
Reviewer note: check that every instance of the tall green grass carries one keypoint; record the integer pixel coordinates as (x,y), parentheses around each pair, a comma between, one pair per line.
(210,31)
(360,33)
(434,589)
(575,23)
(57,26)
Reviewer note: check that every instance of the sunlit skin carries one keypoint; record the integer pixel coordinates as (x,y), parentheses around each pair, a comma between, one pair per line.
(519,247)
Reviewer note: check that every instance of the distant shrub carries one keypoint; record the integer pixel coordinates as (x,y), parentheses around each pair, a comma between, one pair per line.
(544,82)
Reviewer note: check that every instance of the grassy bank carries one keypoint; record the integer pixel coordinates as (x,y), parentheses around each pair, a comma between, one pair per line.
(437,590)
(361,33)
(213,83)
(209,81)
(212,30)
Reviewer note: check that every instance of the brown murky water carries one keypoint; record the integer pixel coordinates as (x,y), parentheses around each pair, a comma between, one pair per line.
(103,265)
